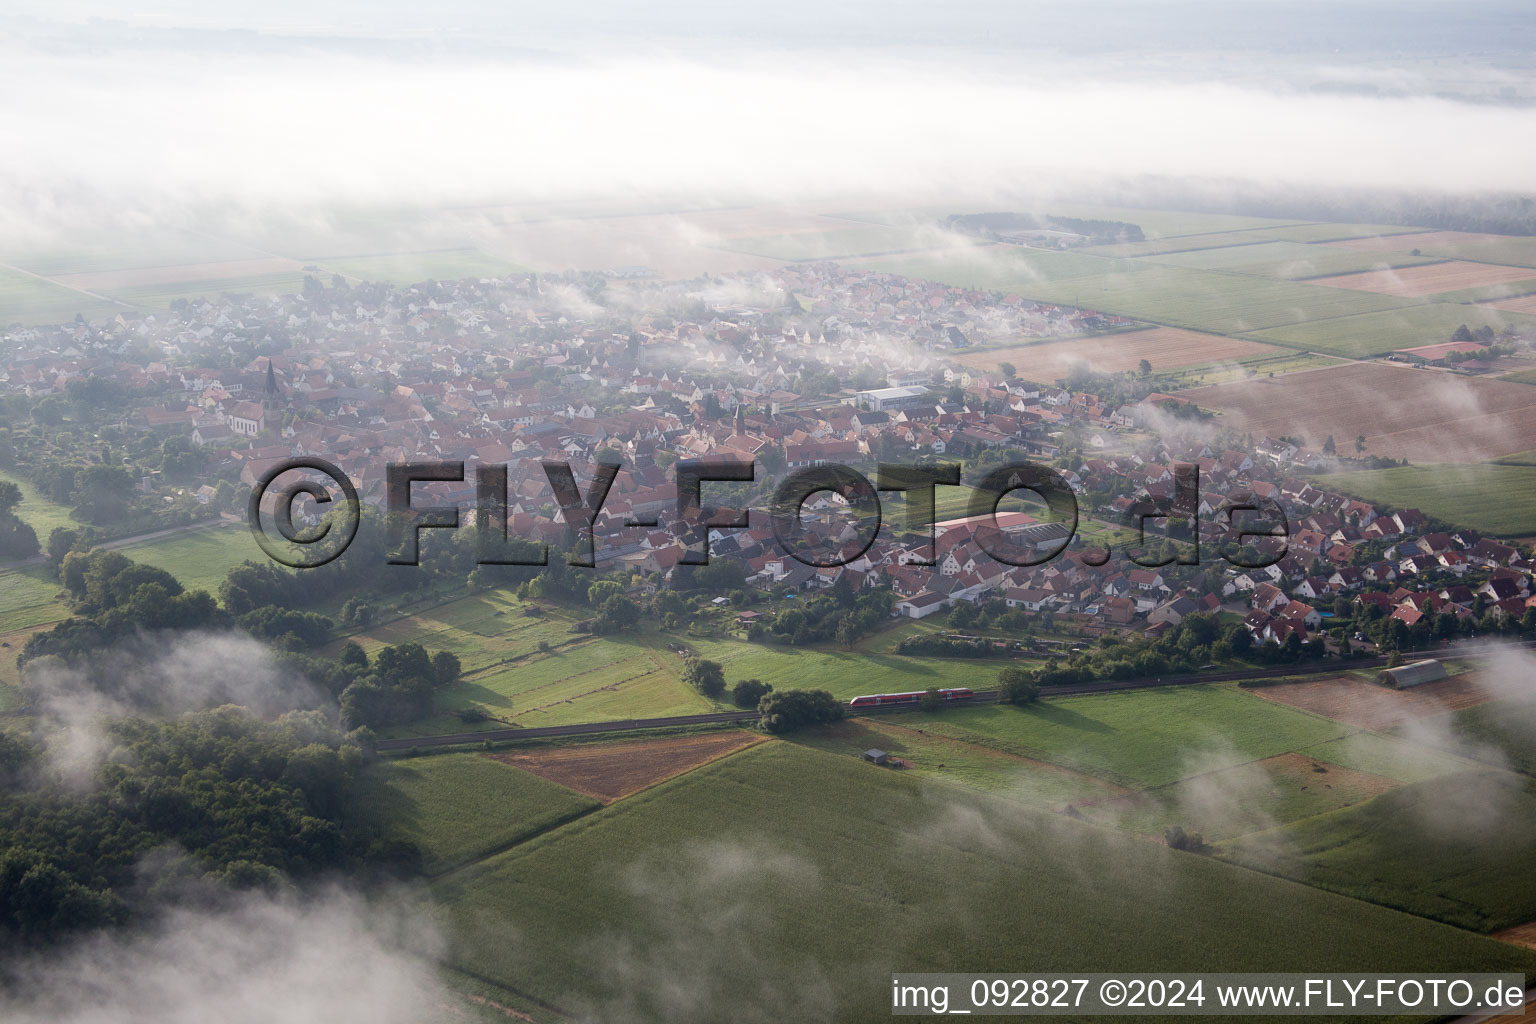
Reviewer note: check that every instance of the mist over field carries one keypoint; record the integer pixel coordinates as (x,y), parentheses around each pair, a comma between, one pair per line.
(181,117)
(328,958)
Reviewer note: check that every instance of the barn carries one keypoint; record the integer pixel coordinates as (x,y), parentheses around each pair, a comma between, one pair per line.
(1415,674)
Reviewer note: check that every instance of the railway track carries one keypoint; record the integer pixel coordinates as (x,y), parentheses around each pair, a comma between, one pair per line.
(1324,667)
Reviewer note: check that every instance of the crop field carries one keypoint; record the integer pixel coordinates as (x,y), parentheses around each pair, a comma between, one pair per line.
(1296,233)
(1169,223)
(114,248)
(1422,415)
(27,299)
(163,294)
(460,807)
(840,241)
(1436,242)
(1145,738)
(1420,281)
(1166,348)
(1520,935)
(1521,304)
(1234,801)
(1457,849)
(1485,496)
(115,282)
(1500,731)
(1352,700)
(611,771)
(414,267)
(731,893)
(1388,756)
(1383,331)
(1288,260)
(930,755)
(1501,249)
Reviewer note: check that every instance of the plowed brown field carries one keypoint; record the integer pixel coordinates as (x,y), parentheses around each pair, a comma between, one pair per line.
(1354,701)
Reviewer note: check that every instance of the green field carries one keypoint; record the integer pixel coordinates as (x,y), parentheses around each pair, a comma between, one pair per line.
(1457,849)
(785,883)
(1512,251)
(927,754)
(1368,334)
(1143,738)
(1205,300)
(28,300)
(162,295)
(41,513)
(1287,260)
(458,808)
(1486,496)
(126,249)
(1389,756)
(1501,732)
(414,267)
(29,597)
(200,559)
(833,243)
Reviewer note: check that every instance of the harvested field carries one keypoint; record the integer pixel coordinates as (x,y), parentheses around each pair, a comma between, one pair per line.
(612,771)
(1352,700)
(1166,348)
(1421,415)
(1430,279)
(1421,240)
(1522,304)
(1520,935)
(1244,798)
(110,281)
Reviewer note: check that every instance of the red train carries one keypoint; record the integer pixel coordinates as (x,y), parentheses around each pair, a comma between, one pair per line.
(882,699)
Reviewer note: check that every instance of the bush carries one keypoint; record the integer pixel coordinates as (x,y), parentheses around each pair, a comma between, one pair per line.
(705,676)
(1014,686)
(749,693)
(788,710)
(1178,839)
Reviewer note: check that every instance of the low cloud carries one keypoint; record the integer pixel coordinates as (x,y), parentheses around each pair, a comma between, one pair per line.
(325,958)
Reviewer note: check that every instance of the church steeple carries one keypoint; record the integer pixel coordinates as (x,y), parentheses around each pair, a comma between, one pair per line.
(273,392)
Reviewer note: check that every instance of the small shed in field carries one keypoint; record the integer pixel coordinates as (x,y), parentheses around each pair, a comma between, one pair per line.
(875,756)
(1414,674)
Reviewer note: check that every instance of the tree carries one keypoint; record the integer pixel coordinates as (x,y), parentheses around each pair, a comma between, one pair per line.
(445,668)
(1359,443)
(1178,839)
(1144,368)
(931,700)
(102,493)
(1329,448)
(1014,686)
(749,693)
(788,710)
(705,676)
(1007,370)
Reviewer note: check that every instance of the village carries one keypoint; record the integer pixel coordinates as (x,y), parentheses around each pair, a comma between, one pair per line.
(815,364)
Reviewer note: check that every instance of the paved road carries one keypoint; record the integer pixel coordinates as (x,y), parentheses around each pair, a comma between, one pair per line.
(1326,667)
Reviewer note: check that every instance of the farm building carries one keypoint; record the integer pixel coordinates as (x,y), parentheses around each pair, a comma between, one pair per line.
(875,756)
(1416,674)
